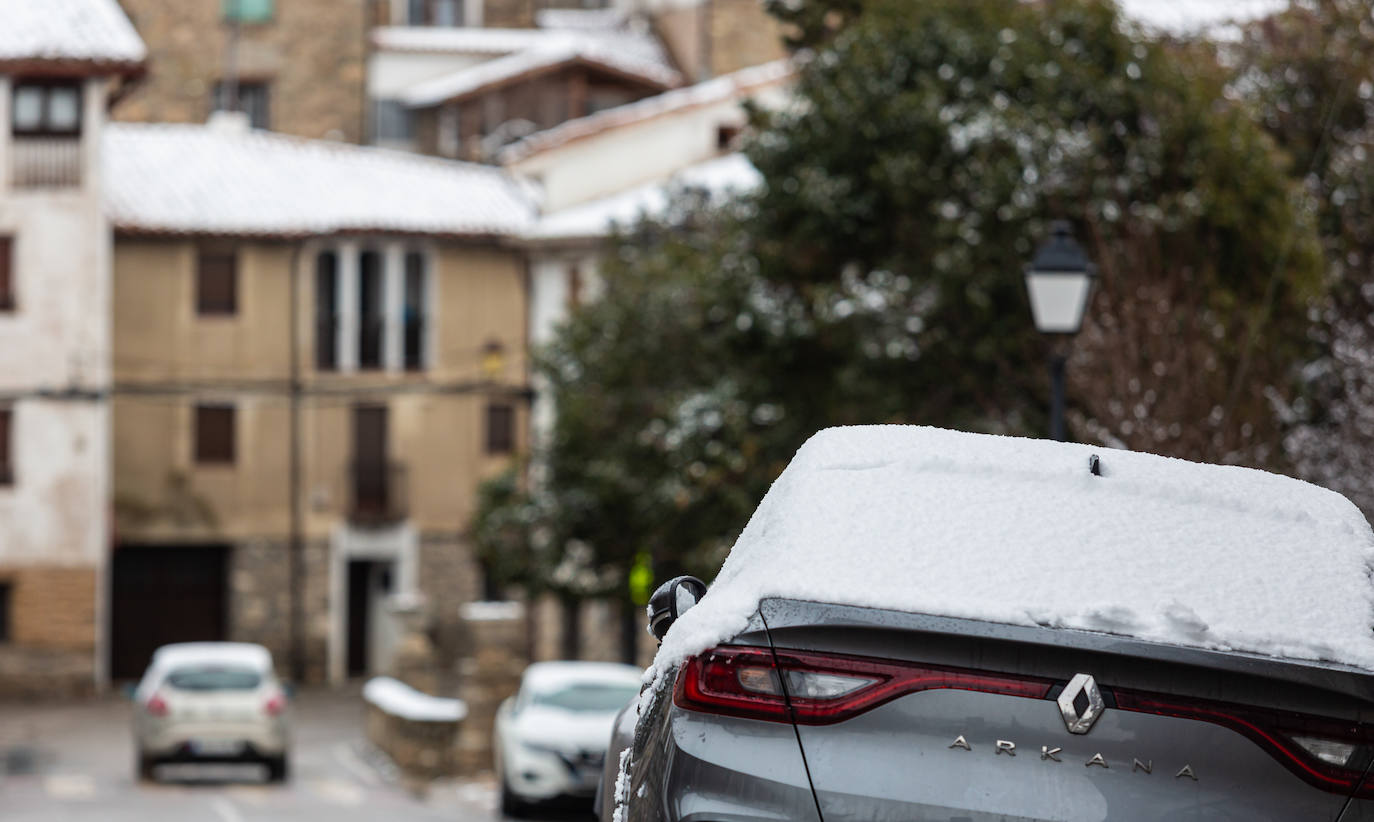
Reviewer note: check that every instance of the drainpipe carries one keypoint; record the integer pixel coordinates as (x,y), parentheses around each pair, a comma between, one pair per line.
(296,546)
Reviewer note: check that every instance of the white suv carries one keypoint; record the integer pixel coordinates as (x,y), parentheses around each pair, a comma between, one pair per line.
(211,702)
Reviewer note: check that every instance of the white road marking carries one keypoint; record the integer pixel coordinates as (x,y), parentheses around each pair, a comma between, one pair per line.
(69,786)
(338,791)
(360,770)
(225,809)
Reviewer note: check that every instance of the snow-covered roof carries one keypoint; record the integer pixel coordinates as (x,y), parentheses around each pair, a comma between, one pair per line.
(735,85)
(192,179)
(1020,531)
(521,64)
(599,218)
(625,41)
(542,677)
(1180,16)
(69,31)
(395,697)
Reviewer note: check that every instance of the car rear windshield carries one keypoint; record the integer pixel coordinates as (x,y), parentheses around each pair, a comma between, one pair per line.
(214,678)
(585,696)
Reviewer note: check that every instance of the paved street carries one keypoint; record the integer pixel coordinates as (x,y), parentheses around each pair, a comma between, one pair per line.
(75,762)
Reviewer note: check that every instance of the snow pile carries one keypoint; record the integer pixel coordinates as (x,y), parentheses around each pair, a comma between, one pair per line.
(399,699)
(187,179)
(491,611)
(497,41)
(1020,531)
(82,30)
(734,86)
(722,176)
(1182,16)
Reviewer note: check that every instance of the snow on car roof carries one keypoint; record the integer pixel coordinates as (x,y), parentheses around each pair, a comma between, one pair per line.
(546,676)
(197,653)
(1019,531)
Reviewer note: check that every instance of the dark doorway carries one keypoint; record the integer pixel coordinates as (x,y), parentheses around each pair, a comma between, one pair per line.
(369,583)
(164,594)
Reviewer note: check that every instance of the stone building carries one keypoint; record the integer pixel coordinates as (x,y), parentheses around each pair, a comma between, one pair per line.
(319,352)
(62,62)
(299,65)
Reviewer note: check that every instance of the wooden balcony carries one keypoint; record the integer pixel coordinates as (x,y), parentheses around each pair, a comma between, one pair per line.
(45,162)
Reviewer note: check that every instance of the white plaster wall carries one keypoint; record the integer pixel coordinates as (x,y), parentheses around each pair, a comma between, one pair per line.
(389,73)
(550,294)
(55,360)
(55,513)
(644,152)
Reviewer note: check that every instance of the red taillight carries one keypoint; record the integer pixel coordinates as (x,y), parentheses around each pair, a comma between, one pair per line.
(1328,753)
(819,689)
(275,705)
(156,705)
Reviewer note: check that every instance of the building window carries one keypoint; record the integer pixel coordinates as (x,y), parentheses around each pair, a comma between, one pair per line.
(6,438)
(392,122)
(6,274)
(327,311)
(434,12)
(214,434)
(253,100)
(246,11)
(46,109)
(216,283)
(500,428)
(413,317)
(727,136)
(371,325)
(5,611)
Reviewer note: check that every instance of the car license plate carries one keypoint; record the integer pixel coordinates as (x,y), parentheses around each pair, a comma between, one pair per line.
(216,747)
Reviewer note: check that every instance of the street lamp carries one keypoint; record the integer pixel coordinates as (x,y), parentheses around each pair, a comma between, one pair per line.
(1059,281)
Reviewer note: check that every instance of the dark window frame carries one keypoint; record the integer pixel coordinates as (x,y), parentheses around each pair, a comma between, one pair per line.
(414,310)
(6,446)
(371,341)
(327,316)
(6,611)
(214,301)
(8,302)
(215,434)
(48,84)
(259,112)
(500,427)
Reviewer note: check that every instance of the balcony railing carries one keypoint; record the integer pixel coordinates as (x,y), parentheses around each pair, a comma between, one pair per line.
(45,162)
(378,493)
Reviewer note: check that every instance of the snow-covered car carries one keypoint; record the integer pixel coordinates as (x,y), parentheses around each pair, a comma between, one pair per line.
(211,702)
(926,624)
(550,739)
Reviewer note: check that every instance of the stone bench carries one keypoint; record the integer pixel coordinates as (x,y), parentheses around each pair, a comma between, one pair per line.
(418,731)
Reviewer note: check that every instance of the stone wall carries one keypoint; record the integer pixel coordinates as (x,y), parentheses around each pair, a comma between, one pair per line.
(45,673)
(260,601)
(496,657)
(52,607)
(312,54)
(449,577)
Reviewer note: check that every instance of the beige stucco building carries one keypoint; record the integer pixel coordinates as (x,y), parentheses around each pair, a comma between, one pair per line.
(314,368)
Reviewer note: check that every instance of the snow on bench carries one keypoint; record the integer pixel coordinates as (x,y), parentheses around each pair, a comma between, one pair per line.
(396,698)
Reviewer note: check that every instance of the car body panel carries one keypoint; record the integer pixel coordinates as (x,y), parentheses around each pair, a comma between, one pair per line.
(213,725)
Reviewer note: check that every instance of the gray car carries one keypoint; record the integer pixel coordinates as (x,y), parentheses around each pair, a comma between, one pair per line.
(832,711)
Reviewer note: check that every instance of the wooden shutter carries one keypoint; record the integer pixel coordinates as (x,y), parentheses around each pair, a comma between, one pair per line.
(216,283)
(6,468)
(214,434)
(500,428)
(6,274)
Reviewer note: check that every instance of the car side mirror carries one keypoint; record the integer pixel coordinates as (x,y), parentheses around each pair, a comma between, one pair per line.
(673,599)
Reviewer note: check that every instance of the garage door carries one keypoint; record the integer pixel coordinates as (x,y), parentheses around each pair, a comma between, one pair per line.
(162,594)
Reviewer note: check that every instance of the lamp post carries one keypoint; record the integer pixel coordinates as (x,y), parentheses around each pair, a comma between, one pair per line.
(1059,281)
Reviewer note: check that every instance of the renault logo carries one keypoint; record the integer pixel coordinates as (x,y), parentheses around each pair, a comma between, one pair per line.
(1081,704)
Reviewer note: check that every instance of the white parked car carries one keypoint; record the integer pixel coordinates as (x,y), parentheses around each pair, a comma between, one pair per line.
(551,737)
(211,702)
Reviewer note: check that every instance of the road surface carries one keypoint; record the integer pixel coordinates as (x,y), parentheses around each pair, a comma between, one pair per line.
(75,762)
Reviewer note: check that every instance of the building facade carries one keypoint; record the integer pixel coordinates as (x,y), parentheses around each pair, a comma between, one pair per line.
(295,66)
(308,390)
(55,88)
